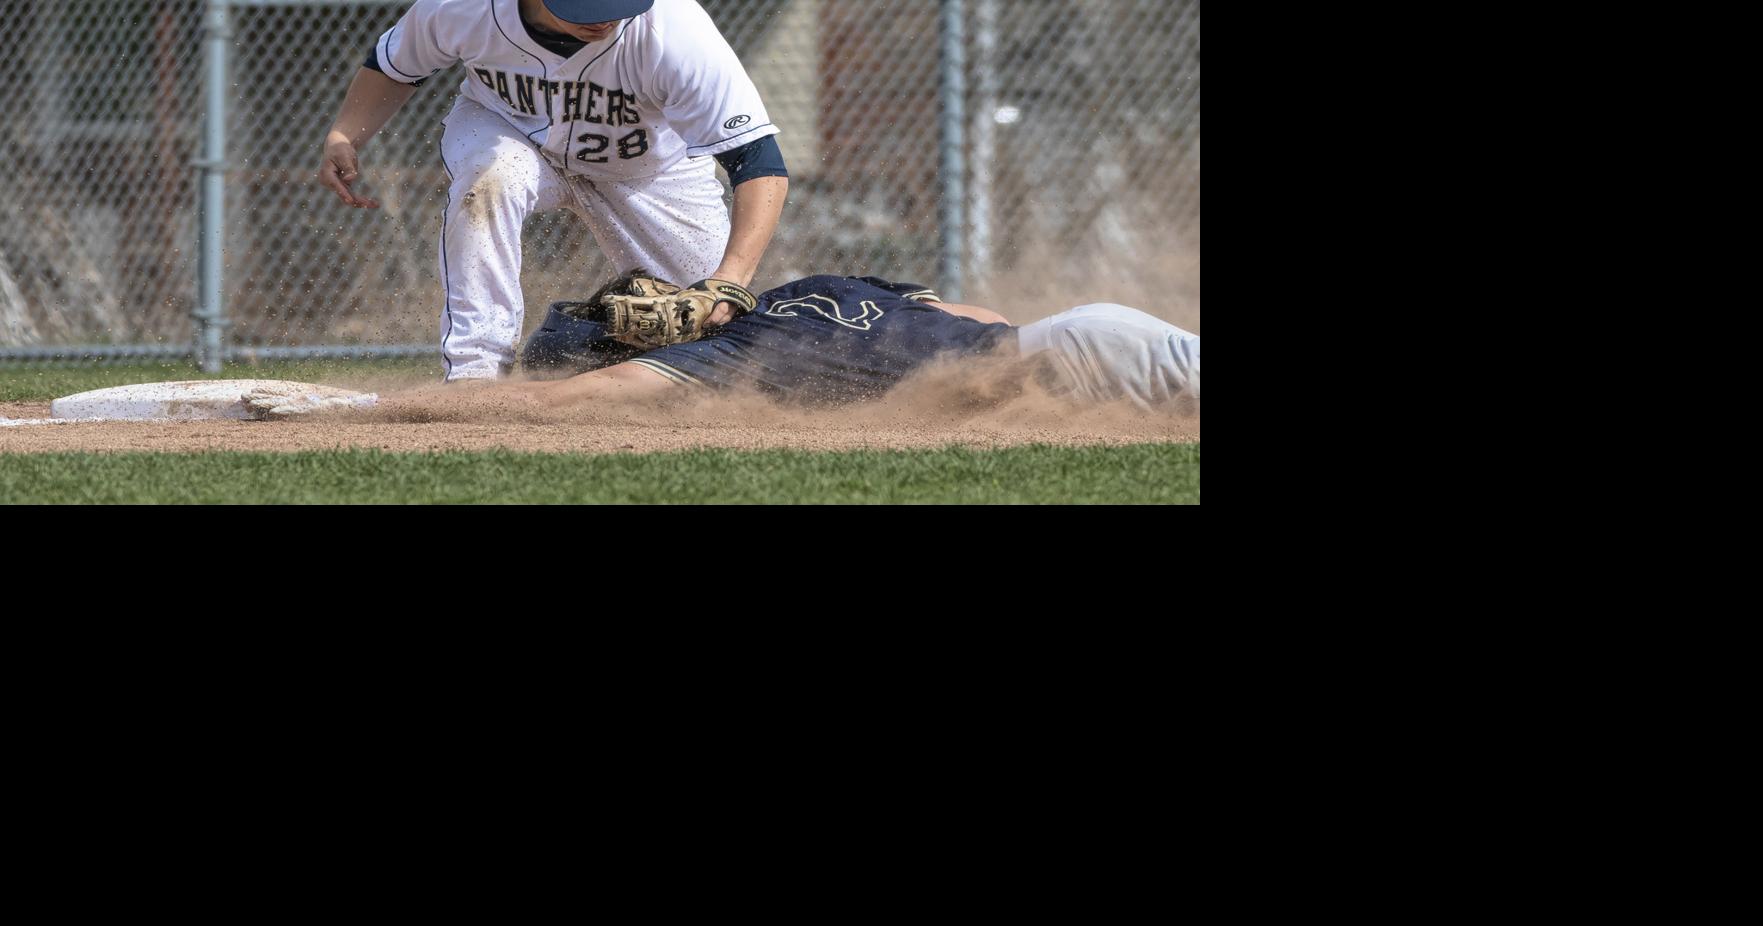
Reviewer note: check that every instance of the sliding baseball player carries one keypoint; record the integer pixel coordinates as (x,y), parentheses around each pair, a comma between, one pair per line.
(822,340)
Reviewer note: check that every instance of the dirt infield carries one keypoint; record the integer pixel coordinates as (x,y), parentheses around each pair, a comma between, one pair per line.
(928,414)
(630,437)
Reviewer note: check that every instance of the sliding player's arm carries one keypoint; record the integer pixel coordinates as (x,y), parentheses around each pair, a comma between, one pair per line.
(977,313)
(621,382)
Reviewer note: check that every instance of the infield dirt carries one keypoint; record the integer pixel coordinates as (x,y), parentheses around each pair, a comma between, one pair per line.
(940,409)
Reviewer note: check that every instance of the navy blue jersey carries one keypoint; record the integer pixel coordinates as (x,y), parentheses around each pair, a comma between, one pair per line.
(828,339)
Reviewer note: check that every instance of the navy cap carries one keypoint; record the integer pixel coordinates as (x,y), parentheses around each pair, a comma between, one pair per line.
(576,345)
(583,12)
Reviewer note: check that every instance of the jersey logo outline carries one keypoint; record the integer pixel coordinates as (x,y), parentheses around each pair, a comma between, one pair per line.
(831,309)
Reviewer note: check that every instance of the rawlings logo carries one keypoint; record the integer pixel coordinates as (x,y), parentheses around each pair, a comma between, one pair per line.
(736,122)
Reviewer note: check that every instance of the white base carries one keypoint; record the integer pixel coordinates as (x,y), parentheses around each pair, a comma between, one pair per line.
(194,400)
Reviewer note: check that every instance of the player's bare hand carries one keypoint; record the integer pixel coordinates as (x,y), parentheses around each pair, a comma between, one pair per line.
(341,168)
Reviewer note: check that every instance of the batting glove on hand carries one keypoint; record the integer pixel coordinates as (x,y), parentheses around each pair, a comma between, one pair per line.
(725,291)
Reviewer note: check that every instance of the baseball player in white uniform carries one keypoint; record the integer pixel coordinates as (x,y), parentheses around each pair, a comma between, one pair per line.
(613,109)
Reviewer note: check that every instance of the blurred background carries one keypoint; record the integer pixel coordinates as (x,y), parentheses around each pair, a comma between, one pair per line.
(1029,155)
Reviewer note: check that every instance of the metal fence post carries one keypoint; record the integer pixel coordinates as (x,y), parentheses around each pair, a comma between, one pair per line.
(211,311)
(985,133)
(954,164)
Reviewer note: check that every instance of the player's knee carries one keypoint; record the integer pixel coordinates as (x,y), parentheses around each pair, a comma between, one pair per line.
(495,181)
(1185,352)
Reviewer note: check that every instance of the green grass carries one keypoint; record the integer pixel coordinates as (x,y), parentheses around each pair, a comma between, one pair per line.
(1146,474)
(1140,474)
(33,383)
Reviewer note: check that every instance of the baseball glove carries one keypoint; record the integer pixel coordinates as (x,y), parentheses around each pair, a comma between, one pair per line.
(659,313)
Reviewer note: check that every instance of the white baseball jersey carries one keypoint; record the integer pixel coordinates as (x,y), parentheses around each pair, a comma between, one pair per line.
(665,86)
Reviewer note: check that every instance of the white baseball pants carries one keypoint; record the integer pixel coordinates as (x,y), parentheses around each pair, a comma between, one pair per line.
(1106,352)
(675,224)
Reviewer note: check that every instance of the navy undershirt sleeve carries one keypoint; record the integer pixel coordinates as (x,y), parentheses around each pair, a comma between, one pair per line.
(748,162)
(373,64)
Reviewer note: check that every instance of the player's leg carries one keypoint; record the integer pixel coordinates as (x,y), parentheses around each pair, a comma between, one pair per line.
(498,179)
(1106,352)
(675,224)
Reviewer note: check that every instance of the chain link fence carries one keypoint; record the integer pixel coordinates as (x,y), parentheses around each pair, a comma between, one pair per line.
(1062,137)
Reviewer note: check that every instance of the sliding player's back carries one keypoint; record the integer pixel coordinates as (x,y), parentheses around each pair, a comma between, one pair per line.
(830,339)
